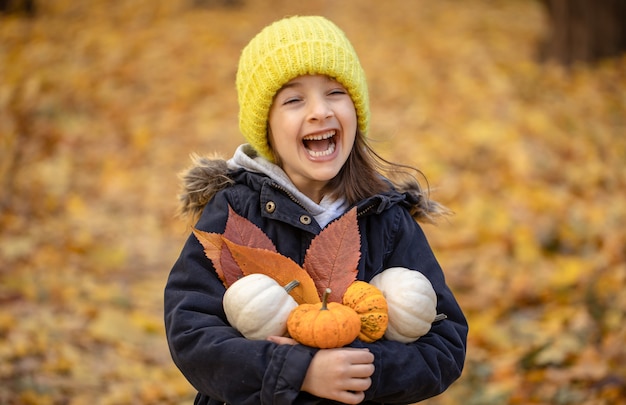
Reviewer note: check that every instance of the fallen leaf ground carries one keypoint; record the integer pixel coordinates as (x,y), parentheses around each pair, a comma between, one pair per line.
(102,102)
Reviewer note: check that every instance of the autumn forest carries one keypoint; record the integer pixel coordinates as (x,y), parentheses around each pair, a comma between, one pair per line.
(102,103)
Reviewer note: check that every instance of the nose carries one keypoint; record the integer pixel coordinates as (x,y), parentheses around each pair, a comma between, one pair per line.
(320,109)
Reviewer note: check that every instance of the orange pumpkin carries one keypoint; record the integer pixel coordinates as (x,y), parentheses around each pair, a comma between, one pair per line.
(371,306)
(324,325)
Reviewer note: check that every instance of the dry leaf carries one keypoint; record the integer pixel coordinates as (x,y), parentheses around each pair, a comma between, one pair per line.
(226,268)
(241,231)
(280,268)
(333,256)
(230,269)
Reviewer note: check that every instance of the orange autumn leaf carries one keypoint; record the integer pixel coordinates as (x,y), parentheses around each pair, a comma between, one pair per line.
(281,268)
(238,230)
(226,268)
(333,256)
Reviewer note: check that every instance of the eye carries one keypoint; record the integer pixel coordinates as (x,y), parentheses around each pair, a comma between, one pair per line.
(291,100)
(288,97)
(337,91)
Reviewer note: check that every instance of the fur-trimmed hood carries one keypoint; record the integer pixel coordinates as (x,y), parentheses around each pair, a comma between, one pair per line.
(205,177)
(208,175)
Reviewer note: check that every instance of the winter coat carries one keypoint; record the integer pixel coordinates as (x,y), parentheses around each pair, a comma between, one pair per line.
(226,368)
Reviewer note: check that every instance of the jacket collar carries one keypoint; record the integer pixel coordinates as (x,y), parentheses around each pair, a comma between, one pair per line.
(209,175)
(245,157)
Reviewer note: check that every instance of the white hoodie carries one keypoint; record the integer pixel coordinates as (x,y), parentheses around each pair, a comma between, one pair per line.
(328,209)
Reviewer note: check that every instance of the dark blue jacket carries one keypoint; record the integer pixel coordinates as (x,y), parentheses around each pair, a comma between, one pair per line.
(226,368)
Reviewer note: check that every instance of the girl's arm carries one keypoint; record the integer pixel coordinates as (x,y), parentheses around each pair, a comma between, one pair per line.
(419,370)
(212,355)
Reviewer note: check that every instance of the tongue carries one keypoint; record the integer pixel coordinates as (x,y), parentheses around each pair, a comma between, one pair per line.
(317,146)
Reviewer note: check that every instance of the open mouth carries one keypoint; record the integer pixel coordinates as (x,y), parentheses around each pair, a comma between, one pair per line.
(321,144)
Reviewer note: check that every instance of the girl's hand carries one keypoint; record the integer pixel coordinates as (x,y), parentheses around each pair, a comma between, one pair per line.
(341,374)
(282,340)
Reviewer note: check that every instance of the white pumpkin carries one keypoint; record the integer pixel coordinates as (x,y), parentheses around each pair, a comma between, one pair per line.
(258,307)
(411,301)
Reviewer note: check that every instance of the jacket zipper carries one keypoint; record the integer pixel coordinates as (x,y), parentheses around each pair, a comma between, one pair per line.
(295,200)
(288,193)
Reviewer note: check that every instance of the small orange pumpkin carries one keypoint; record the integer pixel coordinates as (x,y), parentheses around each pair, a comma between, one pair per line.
(324,325)
(369,302)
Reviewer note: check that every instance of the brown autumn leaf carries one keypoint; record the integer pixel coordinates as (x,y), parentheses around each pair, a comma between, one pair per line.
(241,231)
(230,269)
(226,268)
(333,256)
(280,268)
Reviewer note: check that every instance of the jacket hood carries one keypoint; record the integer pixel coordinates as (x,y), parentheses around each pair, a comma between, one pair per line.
(208,175)
(200,182)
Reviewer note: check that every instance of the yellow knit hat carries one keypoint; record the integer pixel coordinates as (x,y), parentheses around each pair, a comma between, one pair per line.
(284,50)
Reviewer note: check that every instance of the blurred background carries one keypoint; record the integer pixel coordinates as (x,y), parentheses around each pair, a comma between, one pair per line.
(514,109)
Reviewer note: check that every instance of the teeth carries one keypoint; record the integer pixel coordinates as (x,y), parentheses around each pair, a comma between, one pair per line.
(320,137)
(331,149)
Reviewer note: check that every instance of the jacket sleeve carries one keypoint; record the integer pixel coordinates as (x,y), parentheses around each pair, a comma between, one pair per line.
(213,356)
(407,373)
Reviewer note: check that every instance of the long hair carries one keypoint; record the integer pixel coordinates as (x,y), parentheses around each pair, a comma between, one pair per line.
(366,173)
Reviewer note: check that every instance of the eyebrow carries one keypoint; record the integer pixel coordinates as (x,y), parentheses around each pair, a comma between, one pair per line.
(290,84)
(295,83)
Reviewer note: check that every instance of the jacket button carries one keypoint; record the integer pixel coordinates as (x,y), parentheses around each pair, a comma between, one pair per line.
(305,219)
(270,206)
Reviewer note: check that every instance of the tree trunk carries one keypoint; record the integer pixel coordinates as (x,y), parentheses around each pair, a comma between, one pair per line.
(27,7)
(584,30)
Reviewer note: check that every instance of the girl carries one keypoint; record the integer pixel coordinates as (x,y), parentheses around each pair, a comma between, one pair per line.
(304,112)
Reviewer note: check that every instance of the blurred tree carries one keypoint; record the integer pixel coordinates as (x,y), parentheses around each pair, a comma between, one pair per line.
(13,6)
(216,3)
(583,30)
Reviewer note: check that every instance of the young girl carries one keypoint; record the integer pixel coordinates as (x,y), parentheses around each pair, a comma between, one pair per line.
(304,112)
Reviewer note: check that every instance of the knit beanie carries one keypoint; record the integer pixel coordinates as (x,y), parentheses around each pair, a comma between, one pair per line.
(284,50)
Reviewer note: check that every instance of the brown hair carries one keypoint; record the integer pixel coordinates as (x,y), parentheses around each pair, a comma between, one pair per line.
(366,173)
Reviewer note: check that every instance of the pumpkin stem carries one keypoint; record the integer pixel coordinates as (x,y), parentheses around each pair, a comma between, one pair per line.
(440,317)
(325,299)
(291,285)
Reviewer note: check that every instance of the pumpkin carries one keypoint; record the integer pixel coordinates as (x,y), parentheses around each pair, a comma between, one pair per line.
(324,325)
(258,307)
(411,300)
(371,306)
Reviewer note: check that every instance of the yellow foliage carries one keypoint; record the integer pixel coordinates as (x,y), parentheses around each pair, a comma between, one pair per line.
(101,105)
